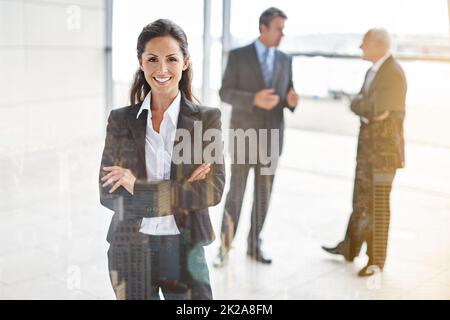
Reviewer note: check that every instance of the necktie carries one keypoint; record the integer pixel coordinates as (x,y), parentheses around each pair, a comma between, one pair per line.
(266,69)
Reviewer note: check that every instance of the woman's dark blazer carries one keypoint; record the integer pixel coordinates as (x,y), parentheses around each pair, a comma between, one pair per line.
(187,201)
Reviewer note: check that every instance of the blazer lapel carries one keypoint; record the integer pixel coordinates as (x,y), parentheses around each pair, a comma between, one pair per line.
(138,128)
(380,70)
(276,68)
(189,113)
(253,61)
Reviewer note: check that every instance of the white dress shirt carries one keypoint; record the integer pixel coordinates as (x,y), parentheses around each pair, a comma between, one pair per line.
(158,158)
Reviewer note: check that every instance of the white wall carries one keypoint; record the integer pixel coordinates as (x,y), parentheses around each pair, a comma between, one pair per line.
(52,86)
(52,72)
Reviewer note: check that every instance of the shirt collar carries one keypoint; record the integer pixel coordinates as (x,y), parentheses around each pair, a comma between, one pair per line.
(173,110)
(260,48)
(377,65)
(145,105)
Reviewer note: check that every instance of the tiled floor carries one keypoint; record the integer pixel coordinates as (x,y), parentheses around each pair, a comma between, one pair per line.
(52,228)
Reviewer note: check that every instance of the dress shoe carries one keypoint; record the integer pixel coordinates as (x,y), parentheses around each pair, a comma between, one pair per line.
(369,270)
(221,260)
(338,250)
(259,256)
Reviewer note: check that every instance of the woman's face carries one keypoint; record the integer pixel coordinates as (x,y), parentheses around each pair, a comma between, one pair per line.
(163,64)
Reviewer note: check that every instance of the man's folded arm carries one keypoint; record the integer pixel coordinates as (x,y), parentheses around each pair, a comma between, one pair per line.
(361,106)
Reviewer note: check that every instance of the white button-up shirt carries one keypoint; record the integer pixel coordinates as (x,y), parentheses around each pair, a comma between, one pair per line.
(158,158)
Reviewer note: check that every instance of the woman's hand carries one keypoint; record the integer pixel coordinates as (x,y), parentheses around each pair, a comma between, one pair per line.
(200,173)
(121,177)
(124,177)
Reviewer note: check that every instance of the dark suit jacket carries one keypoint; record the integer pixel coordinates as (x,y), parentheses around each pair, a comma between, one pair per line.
(243,79)
(188,201)
(384,139)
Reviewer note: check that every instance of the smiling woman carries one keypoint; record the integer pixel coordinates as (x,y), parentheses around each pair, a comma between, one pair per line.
(161,220)
(165,56)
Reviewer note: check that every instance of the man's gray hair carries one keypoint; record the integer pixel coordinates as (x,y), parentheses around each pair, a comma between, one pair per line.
(381,35)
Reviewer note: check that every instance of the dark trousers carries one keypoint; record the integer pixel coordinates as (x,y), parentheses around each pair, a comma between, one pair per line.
(370,218)
(233,205)
(139,269)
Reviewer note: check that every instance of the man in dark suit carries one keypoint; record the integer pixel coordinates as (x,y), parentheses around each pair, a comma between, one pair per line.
(380,105)
(258,84)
